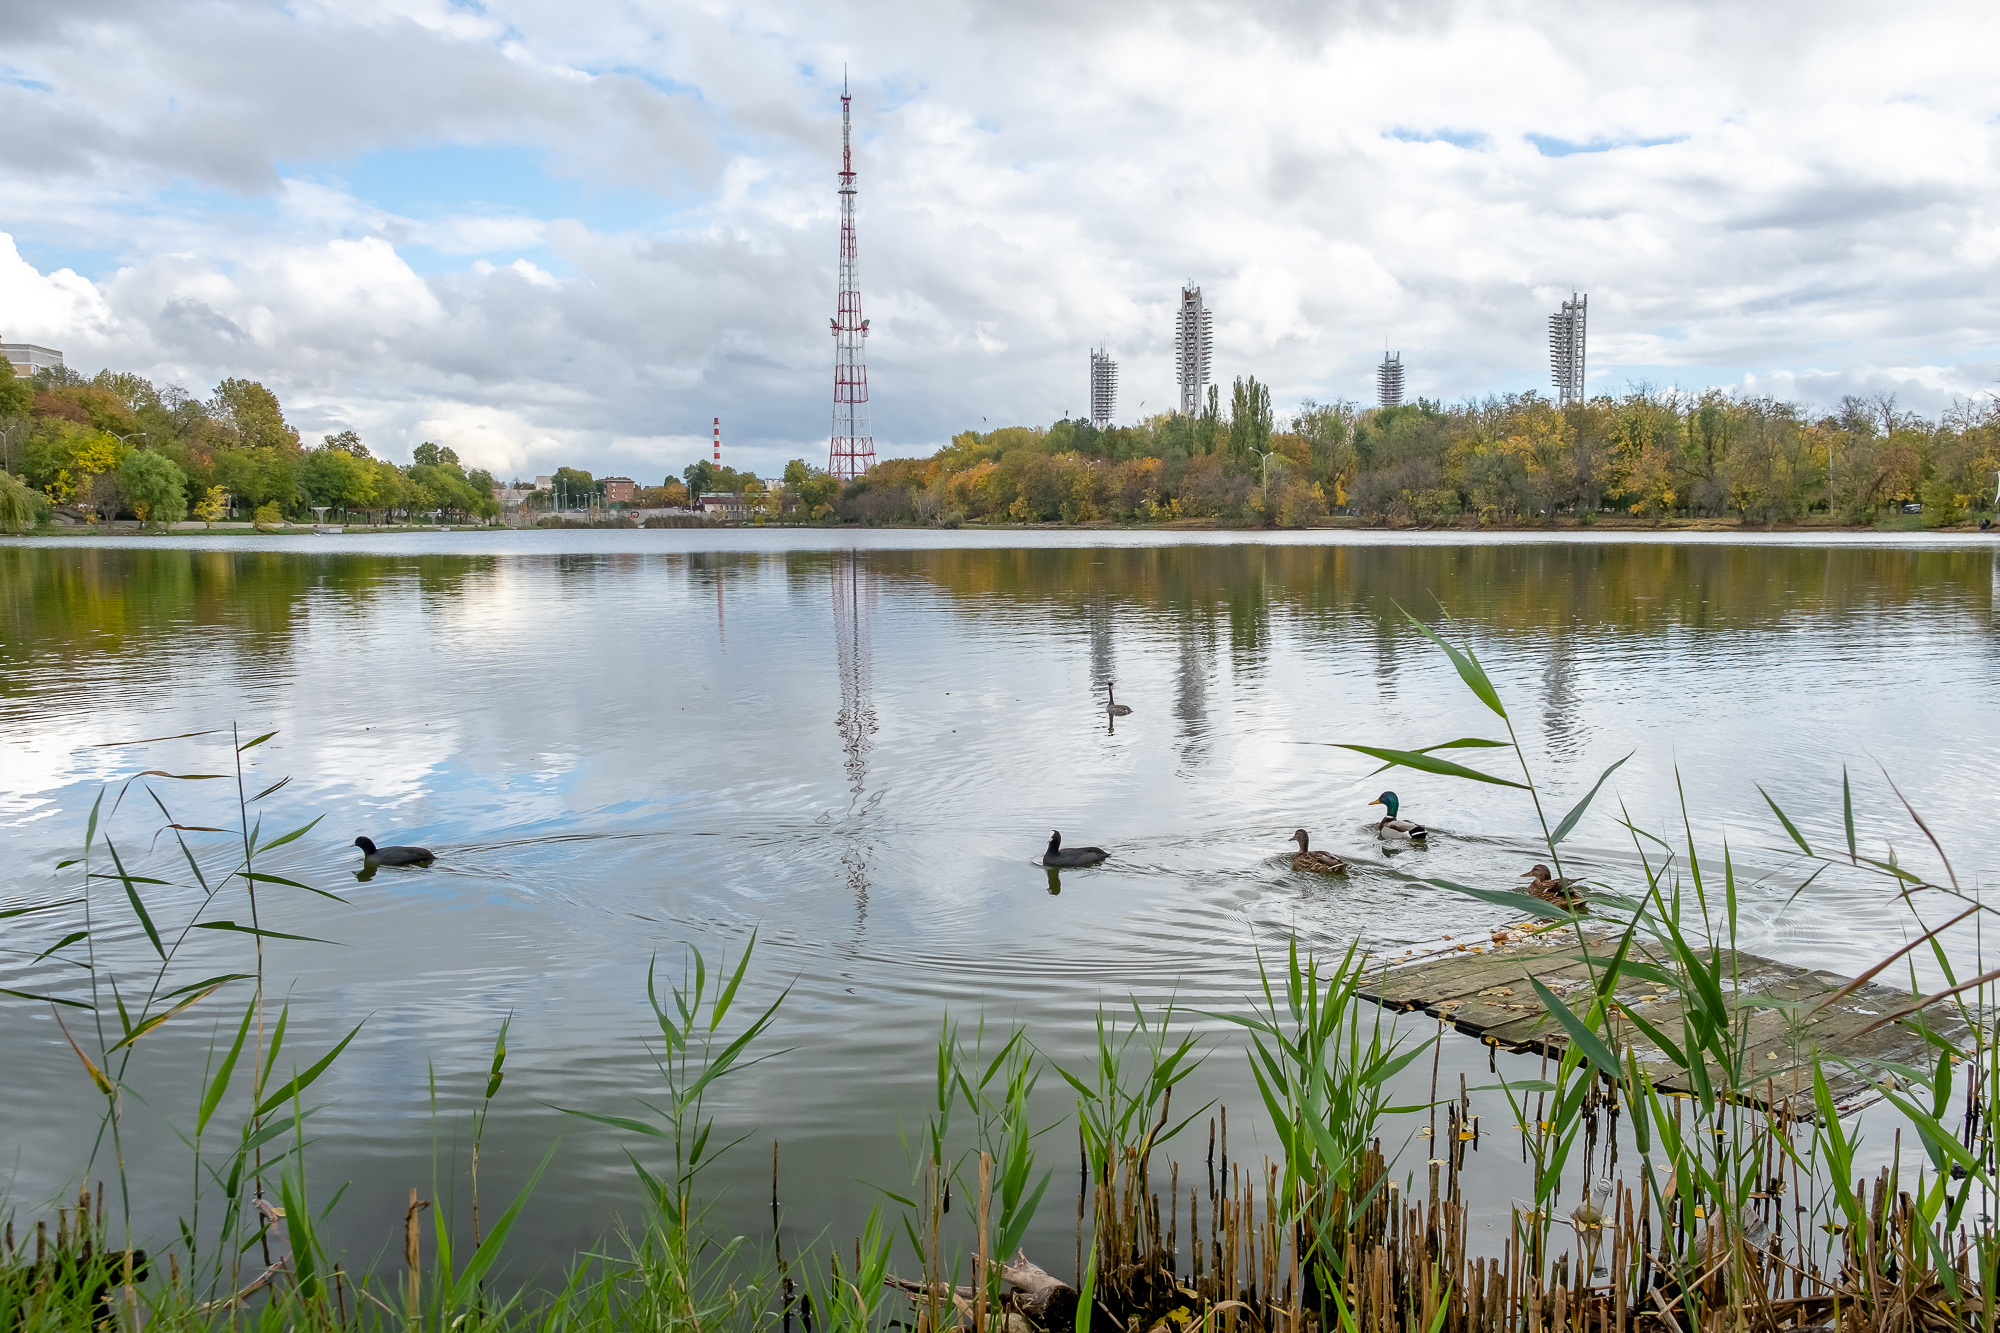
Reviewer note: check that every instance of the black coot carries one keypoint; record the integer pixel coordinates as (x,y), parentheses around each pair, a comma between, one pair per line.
(1059,855)
(394,856)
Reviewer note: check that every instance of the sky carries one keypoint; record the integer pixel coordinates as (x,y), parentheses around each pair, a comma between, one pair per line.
(547,233)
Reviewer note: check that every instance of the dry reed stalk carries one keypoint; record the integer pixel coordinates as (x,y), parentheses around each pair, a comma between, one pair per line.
(934,1260)
(983,1258)
(1082,1189)
(1194,1241)
(412,1253)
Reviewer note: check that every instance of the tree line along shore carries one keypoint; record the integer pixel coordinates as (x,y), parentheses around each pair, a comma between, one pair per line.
(117,446)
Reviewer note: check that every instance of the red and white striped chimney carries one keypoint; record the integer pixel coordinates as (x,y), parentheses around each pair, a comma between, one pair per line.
(718,441)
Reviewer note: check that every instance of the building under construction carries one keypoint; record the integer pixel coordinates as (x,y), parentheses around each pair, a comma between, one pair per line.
(1566,348)
(1103,387)
(1389,380)
(1194,326)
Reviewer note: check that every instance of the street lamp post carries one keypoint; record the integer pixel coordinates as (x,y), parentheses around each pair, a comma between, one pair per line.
(1266,453)
(137,434)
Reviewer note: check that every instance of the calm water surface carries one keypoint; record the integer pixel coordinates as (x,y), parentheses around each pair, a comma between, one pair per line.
(623,743)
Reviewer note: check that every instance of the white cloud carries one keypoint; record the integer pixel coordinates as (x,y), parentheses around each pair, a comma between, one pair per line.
(1813,214)
(58,307)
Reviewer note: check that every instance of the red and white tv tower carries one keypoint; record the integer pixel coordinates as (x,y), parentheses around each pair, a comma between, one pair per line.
(852,451)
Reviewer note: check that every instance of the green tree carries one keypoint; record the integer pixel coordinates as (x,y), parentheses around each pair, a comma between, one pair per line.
(63,458)
(252,411)
(257,477)
(485,503)
(19,506)
(348,443)
(212,506)
(437,482)
(1250,417)
(1208,428)
(16,395)
(1943,503)
(814,487)
(388,488)
(337,478)
(154,487)
(136,392)
(573,487)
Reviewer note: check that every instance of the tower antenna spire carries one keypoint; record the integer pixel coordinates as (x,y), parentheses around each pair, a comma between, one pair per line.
(851,451)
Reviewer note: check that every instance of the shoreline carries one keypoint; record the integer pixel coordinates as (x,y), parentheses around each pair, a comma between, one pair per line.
(1904,525)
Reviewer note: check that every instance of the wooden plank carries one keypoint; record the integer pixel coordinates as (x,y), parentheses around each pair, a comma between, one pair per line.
(1419,985)
(1768,1030)
(1486,994)
(1508,1000)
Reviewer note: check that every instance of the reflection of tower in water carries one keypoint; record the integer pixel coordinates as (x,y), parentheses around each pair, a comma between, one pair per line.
(853,629)
(1559,694)
(1103,661)
(1191,678)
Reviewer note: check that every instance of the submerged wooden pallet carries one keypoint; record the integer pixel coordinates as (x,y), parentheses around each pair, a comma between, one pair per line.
(1483,991)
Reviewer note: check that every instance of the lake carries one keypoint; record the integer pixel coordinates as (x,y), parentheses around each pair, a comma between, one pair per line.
(623,743)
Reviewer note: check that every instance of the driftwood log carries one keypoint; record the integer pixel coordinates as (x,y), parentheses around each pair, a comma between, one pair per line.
(1047,1300)
(1037,1296)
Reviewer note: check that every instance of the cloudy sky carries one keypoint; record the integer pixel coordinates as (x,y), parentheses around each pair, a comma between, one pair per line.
(546,231)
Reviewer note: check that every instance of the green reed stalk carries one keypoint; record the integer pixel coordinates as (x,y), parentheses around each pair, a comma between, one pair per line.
(695,1056)
(1323,1072)
(1124,1108)
(850,1300)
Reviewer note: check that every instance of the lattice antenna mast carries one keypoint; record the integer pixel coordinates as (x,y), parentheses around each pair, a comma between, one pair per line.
(852,451)
(1567,328)
(1194,327)
(1103,387)
(1389,380)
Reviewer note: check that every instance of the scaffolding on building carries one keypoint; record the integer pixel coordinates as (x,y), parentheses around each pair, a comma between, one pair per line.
(1389,380)
(1566,348)
(1103,387)
(1194,326)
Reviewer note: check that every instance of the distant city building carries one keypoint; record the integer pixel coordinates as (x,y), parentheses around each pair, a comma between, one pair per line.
(545,483)
(1566,348)
(26,358)
(619,490)
(1194,326)
(1103,388)
(1389,380)
(723,504)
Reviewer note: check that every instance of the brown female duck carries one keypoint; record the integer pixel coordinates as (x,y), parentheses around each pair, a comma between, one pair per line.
(1319,863)
(1564,893)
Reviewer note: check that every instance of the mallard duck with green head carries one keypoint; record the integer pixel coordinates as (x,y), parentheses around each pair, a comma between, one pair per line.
(1391,823)
(1318,863)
